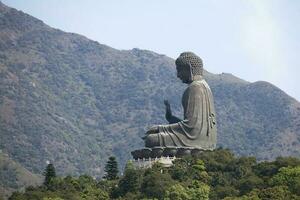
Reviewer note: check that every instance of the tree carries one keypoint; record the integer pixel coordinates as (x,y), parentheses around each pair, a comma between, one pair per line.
(196,191)
(222,191)
(49,174)
(131,181)
(277,193)
(253,195)
(199,171)
(199,191)
(177,192)
(156,182)
(288,176)
(180,169)
(247,184)
(111,169)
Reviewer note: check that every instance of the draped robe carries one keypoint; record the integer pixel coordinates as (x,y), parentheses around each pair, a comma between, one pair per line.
(197,129)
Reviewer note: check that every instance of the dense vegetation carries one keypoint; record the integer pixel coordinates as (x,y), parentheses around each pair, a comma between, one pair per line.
(210,175)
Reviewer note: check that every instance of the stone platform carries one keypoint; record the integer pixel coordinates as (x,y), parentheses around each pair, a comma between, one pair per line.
(147,163)
(145,158)
(158,152)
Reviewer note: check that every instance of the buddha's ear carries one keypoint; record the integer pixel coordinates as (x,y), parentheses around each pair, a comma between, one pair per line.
(191,78)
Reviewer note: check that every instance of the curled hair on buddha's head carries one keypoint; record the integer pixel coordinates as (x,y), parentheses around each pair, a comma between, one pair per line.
(189,59)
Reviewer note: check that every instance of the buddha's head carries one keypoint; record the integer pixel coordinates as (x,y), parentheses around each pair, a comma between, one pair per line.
(188,66)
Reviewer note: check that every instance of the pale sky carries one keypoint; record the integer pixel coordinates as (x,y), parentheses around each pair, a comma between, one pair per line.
(252,39)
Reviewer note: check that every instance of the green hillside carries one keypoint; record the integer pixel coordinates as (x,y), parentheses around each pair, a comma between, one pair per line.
(13,176)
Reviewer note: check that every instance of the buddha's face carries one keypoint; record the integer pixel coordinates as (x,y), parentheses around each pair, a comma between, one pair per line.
(183,73)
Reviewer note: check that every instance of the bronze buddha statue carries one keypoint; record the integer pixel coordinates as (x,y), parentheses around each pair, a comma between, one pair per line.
(198,128)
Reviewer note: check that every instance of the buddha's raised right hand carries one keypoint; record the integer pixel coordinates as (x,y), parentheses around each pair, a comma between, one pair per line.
(169,117)
(168,109)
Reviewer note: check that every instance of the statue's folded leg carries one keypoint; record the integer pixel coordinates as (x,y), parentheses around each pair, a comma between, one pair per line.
(152,140)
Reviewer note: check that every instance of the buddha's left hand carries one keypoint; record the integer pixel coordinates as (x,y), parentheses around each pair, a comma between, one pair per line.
(152,130)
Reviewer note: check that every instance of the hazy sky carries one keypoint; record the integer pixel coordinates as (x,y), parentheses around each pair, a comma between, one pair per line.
(252,39)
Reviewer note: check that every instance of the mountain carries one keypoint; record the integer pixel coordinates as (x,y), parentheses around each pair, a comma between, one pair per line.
(13,176)
(74,102)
